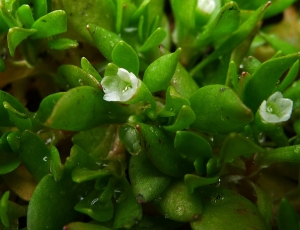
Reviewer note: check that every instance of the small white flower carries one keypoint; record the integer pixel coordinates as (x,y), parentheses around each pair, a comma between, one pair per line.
(121,87)
(276,109)
(206,6)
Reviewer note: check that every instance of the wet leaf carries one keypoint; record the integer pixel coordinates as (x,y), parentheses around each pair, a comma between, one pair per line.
(59,213)
(130,138)
(146,180)
(192,146)
(160,150)
(184,119)
(227,210)
(236,145)
(177,203)
(93,207)
(127,211)
(35,154)
(219,110)
(56,167)
(193,181)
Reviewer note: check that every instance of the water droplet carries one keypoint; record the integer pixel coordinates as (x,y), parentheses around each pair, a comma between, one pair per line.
(297,149)
(180,210)
(269,109)
(217,199)
(94,201)
(80,81)
(45,158)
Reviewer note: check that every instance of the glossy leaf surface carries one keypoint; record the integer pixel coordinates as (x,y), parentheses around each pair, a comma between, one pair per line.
(159,73)
(146,180)
(221,110)
(68,115)
(227,210)
(264,79)
(177,203)
(50,24)
(160,150)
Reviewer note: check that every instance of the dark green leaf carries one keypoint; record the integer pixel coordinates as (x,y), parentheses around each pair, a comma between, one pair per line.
(184,119)
(288,218)
(8,162)
(192,181)
(160,150)
(293,94)
(236,145)
(290,77)
(177,203)
(56,167)
(92,206)
(127,210)
(224,209)
(35,155)
(84,226)
(65,193)
(4,115)
(3,209)
(146,180)
(50,24)
(20,120)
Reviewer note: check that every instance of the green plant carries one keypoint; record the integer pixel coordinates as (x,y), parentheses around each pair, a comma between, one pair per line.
(149,114)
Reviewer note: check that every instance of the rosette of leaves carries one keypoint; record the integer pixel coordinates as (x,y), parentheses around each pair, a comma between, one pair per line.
(171,119)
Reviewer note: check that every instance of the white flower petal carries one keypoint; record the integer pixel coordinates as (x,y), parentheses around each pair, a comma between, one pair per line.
(276,109)
(121,87)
